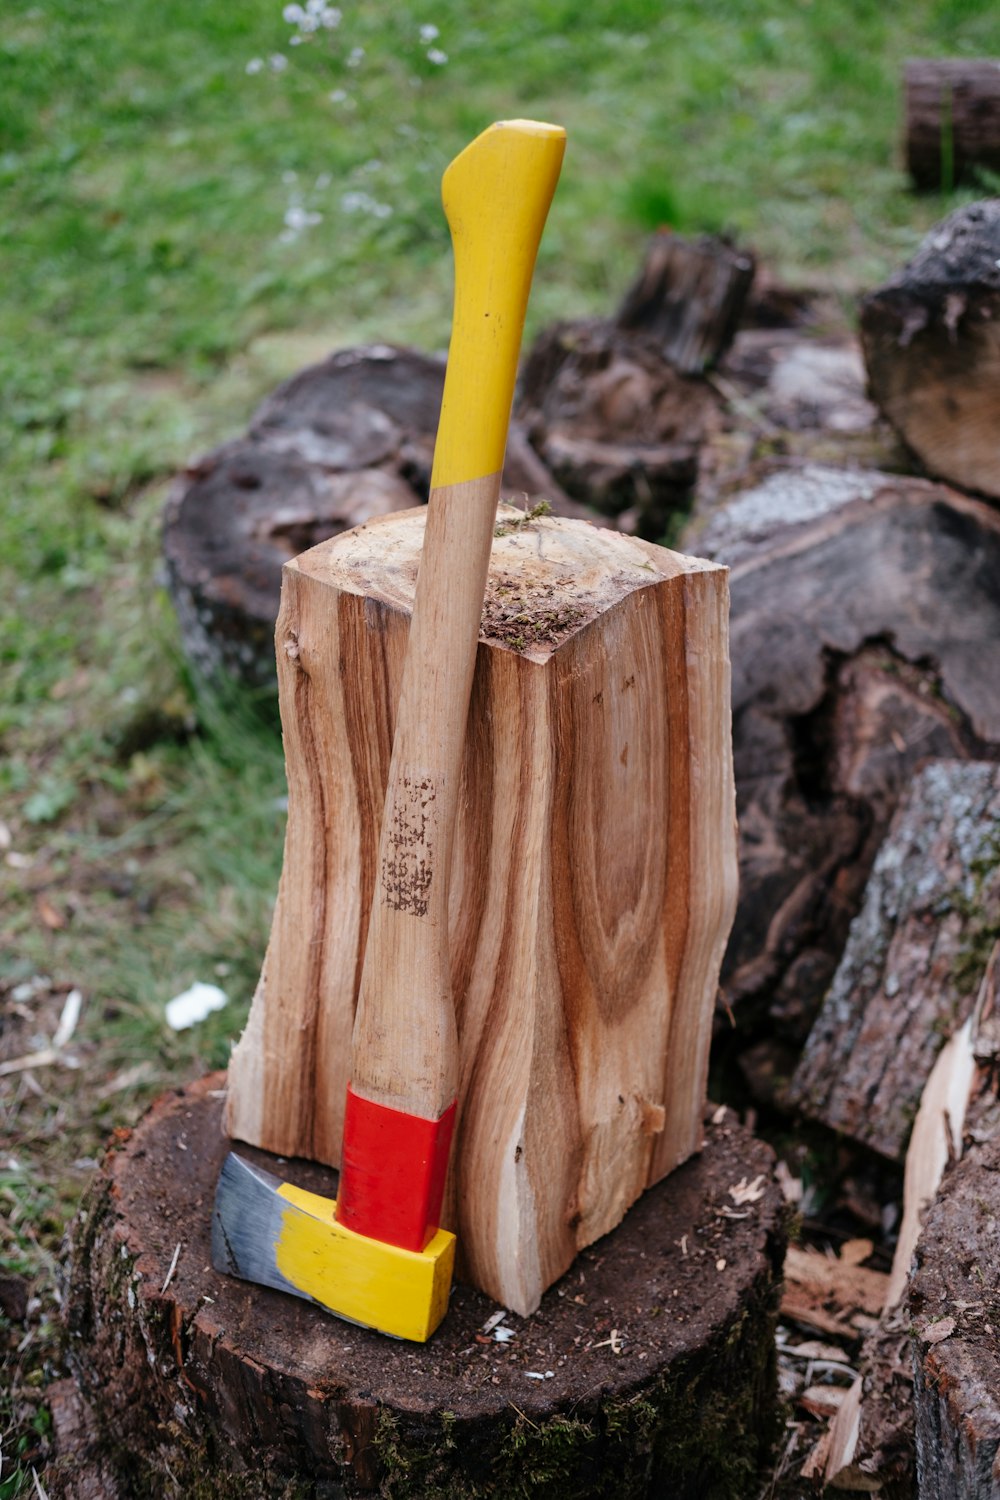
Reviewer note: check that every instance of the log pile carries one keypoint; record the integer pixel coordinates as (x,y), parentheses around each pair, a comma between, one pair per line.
(866,703)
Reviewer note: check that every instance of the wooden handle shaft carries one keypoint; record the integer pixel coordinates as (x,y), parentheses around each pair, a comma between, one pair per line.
(496,195)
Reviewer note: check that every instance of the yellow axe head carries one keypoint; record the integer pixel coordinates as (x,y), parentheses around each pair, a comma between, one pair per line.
(268,1231)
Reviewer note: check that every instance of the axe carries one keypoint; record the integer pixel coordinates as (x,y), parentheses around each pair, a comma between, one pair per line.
(376,1255)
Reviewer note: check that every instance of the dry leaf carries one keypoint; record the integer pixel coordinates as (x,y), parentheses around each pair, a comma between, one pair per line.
(854,1252)
(50,916)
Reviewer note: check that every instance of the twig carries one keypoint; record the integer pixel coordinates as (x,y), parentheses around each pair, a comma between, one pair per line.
(173,1268)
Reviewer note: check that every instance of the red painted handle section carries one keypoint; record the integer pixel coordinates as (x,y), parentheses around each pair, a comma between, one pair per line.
(392,1172)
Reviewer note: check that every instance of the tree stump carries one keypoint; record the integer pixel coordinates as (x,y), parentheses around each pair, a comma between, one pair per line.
(648,1371)
(864,622)
(952,119)
(931,338)
(334,446)
(913,961)
(592,885)
(954,1302)
(688,298)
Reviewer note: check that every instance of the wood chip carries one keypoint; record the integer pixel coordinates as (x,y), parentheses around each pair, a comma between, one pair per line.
(823,1400)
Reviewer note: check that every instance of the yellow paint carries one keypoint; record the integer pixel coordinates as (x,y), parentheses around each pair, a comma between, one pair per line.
(496,197)
(399,1292)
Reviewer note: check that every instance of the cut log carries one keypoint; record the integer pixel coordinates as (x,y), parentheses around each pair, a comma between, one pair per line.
(864,621)
(649,1371)
(909,974)
(335,445)
(614,422)
(952,119)
(688,298)
(931,337)
(592,889)
(954,1297)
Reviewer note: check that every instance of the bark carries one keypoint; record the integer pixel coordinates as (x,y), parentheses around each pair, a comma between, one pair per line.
(954,1296)
(660,1345)
(914,958)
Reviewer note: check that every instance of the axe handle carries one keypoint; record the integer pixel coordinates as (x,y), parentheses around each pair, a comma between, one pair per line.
(496,196)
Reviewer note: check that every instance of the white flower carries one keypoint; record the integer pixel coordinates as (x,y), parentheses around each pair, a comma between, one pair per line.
(296,40)
(429,33)
(255,65)
(437,57)
(337,96)
(331,18)
(355,57)
(294,15)
(278,62)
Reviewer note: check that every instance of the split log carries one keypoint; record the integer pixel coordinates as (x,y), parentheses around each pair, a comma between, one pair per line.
(649,1371)
(952,119)
(914,958)
(863,629)
(931,337)
(337,444)
(614,422)
(954,1297)
(592,888)
(688,298)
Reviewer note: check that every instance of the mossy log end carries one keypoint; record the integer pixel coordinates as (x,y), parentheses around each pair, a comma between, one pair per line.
(649,1370)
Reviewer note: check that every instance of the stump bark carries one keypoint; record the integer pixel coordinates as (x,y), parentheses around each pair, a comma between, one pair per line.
(954,1301)
(952,119)
(648,1371)
(931,338)
(913,961)
(864,618)
(593,881)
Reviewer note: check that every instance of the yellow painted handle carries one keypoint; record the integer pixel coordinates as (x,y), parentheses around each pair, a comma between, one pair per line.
(496,196)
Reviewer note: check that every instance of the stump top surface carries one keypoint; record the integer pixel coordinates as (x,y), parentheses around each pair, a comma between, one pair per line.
(543,569)
(674,1273)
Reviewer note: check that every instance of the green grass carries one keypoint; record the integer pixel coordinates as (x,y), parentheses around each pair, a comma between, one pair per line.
(150,294)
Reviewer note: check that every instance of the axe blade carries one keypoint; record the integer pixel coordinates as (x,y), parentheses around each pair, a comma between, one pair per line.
(269,1232)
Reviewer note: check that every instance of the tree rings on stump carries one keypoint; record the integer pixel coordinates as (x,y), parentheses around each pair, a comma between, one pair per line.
(648,1370)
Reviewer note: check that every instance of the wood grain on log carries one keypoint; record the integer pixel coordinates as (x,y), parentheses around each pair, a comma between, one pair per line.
(592,888)
(907,978)
(650,1371)
(864,620)
(688,298)
(337,444)
(931,338)
(952,119)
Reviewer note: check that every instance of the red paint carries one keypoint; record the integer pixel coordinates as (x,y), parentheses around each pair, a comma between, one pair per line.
(392,1172)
